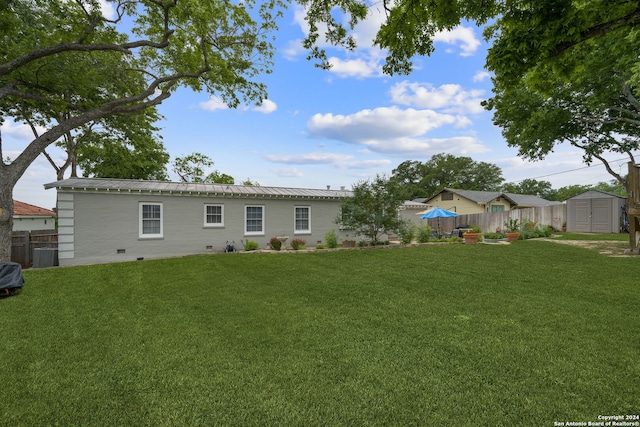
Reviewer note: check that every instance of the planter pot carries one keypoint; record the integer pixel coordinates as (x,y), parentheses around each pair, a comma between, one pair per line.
(512,237)
(348,243)
(471,238)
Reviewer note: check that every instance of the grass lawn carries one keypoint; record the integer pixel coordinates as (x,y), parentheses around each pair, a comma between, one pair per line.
(618,237)
(526,334)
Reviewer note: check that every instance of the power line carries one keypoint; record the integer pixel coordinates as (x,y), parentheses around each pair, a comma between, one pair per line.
(573,170)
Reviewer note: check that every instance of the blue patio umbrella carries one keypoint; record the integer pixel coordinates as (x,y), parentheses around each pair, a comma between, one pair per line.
(437,213)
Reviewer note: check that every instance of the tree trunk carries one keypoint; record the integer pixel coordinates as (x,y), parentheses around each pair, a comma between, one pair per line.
(6,222)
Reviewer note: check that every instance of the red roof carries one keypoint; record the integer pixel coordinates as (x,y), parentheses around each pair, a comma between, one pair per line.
(25,209)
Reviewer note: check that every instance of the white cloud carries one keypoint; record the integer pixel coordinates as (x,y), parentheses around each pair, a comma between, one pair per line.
(213,104)
(267,107)
(426,147)
(355,67)
(288,172)
(394,131)
(380,123)
(464,36)
(309,158)
(367,164)
(365,61)
(20,131)
(293,50)
(448,97)
(481,76)
(107,9)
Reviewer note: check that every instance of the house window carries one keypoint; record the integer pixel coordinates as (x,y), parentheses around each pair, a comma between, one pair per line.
(214,215)
(302,219)
(254,220)
(447,196)
(150,220)
(497,208)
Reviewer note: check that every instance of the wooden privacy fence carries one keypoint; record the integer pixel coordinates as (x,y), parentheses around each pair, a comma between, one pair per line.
(23,244)
(553,215)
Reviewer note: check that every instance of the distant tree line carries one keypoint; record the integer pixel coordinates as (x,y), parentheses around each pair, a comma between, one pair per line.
(372,209)
(414,179)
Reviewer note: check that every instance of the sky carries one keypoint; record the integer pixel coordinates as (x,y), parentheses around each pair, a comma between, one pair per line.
(320,129)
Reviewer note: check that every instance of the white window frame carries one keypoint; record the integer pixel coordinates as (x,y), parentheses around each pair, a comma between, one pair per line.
(143,235)
(214,224)
(295,220)
(262,219)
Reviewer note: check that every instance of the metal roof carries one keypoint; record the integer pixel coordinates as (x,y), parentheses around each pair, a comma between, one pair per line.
(189,188)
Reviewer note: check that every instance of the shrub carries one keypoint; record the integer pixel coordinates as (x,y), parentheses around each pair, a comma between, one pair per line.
(251,245)
(319,246)
(407,232)
(536,231)
(494,236)
(298,244)
(423,232)
(512,225)
(331,238)
(275,243)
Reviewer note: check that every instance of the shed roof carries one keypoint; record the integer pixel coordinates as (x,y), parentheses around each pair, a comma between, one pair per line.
(25,209)
(189,188)
(591,194)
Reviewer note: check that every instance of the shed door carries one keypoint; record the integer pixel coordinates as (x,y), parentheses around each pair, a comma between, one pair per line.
(601,215)
(582,216)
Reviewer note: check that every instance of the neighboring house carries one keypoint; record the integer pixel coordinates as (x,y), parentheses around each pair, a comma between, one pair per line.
(107,220)
(28,217)
(595,211)
(472,202)
(411,209)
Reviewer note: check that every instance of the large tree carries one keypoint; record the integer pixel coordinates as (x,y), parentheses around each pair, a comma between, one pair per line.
(192,168)
(414,179)
(538,31)
(586,99)
(122,146)
(566,69)
(534,187)
(157,45)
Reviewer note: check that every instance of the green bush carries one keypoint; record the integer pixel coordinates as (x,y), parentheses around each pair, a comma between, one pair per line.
(331,238)
(251,245)
(275,244)
(533,231)
(512,226)
(423,233)
(319,246)
(407,232)
(298,244)
(494,236)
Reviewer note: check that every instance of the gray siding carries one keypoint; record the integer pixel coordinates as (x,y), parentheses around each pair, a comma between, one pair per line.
(98,227)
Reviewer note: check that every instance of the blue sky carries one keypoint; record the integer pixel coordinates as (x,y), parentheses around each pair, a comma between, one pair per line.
(334,128)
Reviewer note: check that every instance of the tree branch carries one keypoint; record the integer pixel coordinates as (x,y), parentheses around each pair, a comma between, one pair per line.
(631,19)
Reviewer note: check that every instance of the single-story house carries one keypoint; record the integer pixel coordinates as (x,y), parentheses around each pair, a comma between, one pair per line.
(595,211)
(108,220)
(411,209)
(28,217)
(474,202)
